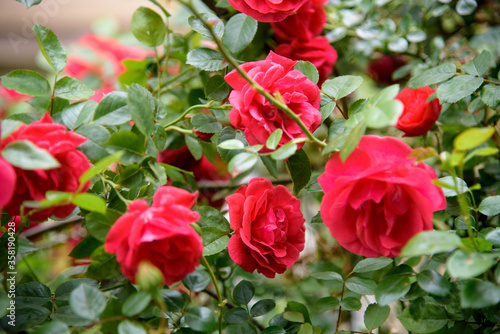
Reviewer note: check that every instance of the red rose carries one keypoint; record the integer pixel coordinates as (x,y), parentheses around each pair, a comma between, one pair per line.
(382,68)
(318,51)
(33,184)
(378,198)
(267,10)
(256,116)
(307,23)
(418,116)
(268,225)
(159,234)
(8,182)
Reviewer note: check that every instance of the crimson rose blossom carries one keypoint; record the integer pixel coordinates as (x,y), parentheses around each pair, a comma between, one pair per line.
(267,10)
(418,116)
(318,51)
(305,24)
(378,198)
(159,234)
(33,184)
(382,68)
(8,182)
(256,116)
(268,225)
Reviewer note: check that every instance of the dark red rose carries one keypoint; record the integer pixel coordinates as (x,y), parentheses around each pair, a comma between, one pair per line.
(257,117)
(317,50)
(307,23)
(267,10)
(378,199)
(382,68)
(33,184)
(269,231)
(418,115)
(160,234)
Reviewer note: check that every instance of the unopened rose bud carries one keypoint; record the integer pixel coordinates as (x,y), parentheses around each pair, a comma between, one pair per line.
(149,277)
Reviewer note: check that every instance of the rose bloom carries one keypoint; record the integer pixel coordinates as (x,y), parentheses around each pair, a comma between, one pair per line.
(267,10)
(318,51)
(256,116)
(307,23)
(268,225)
(382,68)
(418,115)
(378,198)
(159,234)
(33,184)
(8,182)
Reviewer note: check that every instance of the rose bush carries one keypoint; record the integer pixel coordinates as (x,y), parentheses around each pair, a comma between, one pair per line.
(33,184)
(267,10)
(159,234)
(418,115)
(317,50)
(378,199)
(268,225)
(256,116)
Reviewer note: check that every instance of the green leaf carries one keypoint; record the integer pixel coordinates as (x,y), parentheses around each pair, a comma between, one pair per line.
(197,281)
(433,283)
(384,114)
(148,27)
(462,264)
(300,308)
(213,20)
(26,155)
(431,242)
(29,3)
(103,266)
(240,31)
(299,168)
(126,140)
(472,138)
(341,86)
(27,316)
(216,88)
(243,292)
(112,110)
(448,185)
(325,304)
(466,7)
(262,307)
(327,276)
(216,246)
(64,290)
(26,82)
(100,166)
(194,147)
(363,286)
(271,165)
(52,327)
(371,264)
(433,76)
(326,110)
(236,315)
(478,294)
(201,319)
(51,48)
(129,327)
(226,134)
(308,69)
(273,330)
(432,318)
(175,300)
(206,123)
(232,144)
(206,59)
(350,304)
(479,65)
(140,104)
(90,202)
(284,151)
(490,94)
(490,206)
(242,162)
(87,302)
(212,217)
(274,139)
(457,88)
(78,113)
(72,89)
(293,316)
(376,315)
(136,303)
(494,237)
(392,288)
(85,247)
(33,293)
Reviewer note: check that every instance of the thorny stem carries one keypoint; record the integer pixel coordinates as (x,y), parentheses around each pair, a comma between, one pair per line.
(340,307)
(255,86)
(217,291)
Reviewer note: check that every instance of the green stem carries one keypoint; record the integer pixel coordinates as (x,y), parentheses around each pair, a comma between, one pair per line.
(181,117)
(178,129)
(32,272)
(52,95)
(158,65)
(255,86)
(163,320)
(217,291)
